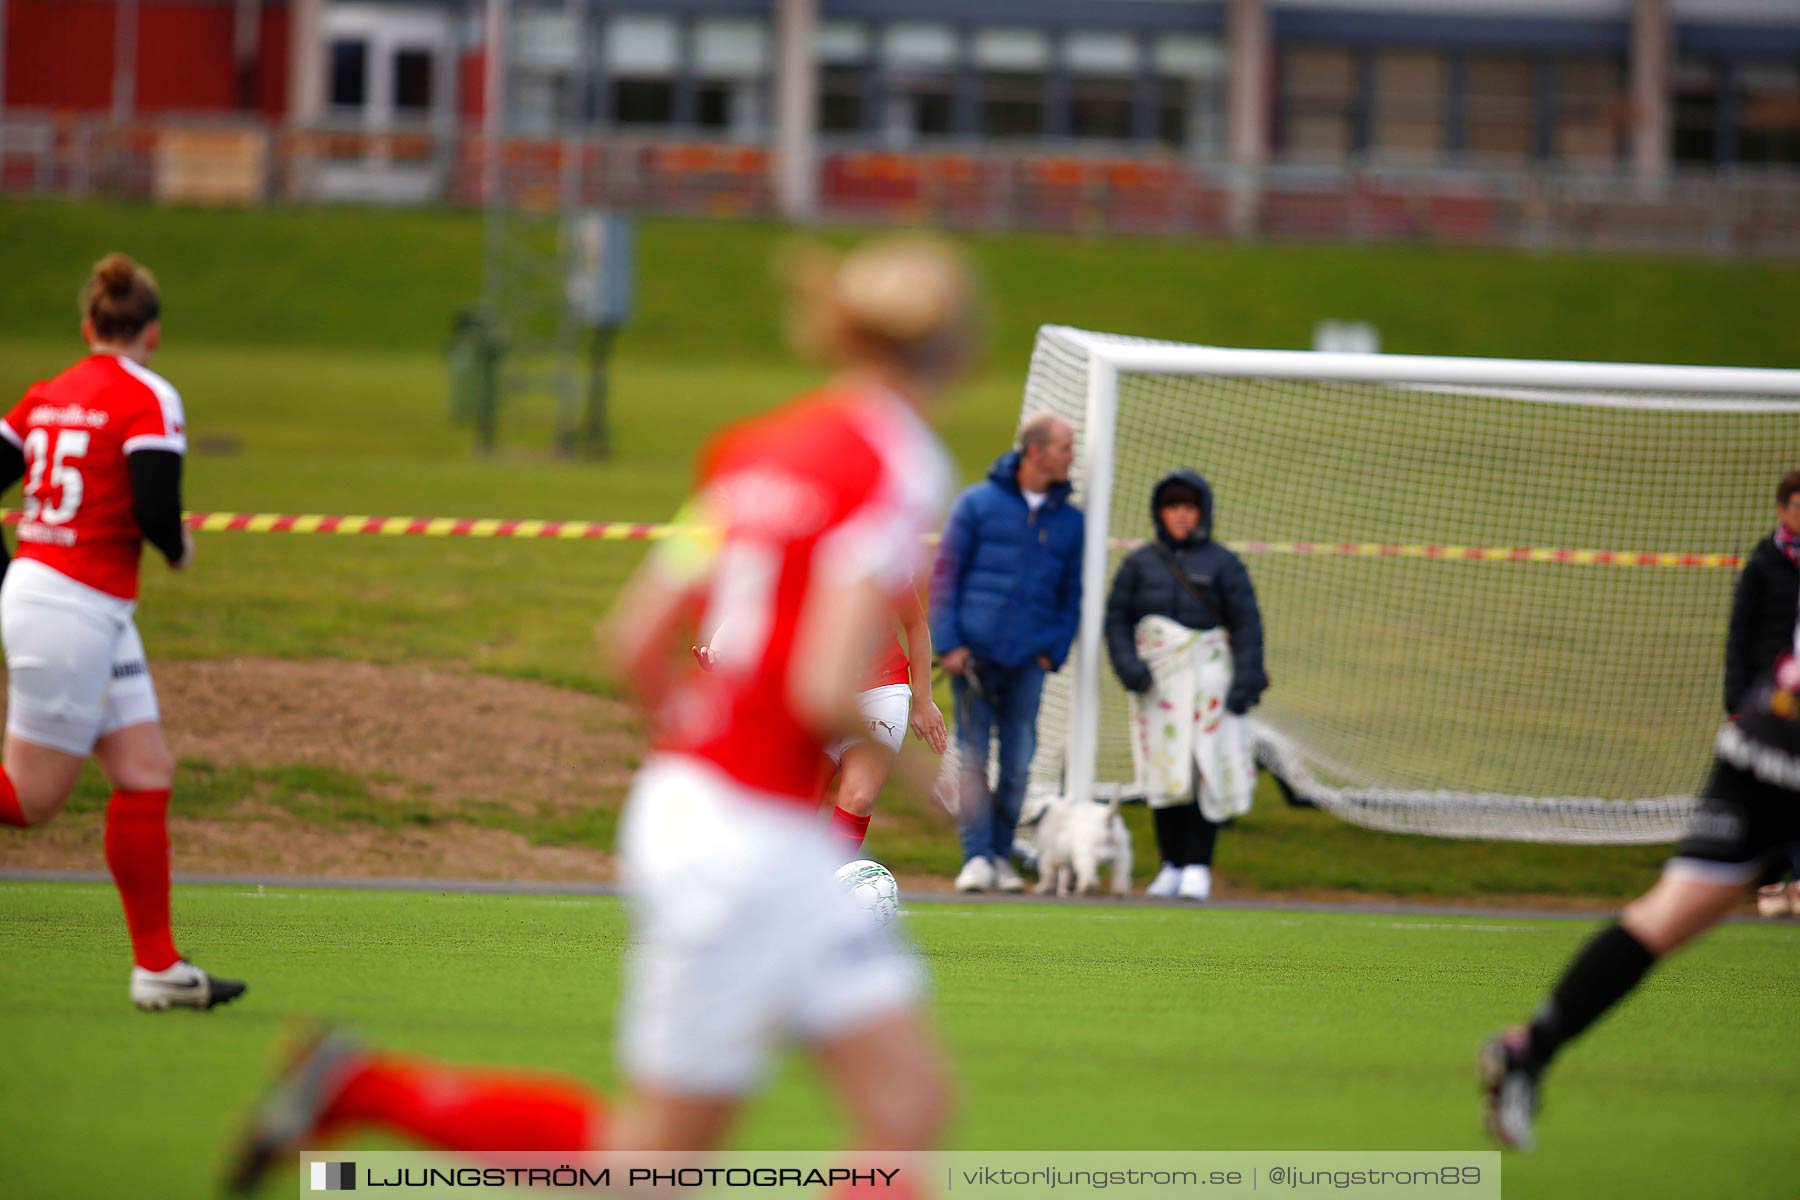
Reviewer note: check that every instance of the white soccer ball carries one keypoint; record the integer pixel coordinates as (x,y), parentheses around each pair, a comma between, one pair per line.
(872,889)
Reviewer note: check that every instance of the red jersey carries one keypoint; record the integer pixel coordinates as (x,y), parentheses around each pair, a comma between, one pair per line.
(891,666)
(836,487)
(75,432)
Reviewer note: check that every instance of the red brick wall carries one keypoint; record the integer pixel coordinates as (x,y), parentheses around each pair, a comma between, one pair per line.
(471,84)
(184,60)
(59,55)
(272,61)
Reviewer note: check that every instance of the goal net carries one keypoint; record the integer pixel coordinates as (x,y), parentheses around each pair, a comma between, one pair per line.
(1494,592)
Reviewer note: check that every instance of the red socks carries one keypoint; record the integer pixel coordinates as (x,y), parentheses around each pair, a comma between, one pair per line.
(10,812)
(137,853)
(849,829)
(471,1111)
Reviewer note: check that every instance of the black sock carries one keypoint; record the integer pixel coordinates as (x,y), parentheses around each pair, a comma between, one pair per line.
(1607,968)
(1203,835)
(1169,840)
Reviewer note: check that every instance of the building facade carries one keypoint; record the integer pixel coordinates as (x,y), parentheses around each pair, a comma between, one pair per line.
(1639,89)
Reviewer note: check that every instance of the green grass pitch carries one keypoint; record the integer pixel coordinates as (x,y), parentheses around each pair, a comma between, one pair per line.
(314,382)
(1072,1028)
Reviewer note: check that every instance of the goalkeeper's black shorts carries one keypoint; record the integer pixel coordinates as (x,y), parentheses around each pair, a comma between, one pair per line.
(1747,828)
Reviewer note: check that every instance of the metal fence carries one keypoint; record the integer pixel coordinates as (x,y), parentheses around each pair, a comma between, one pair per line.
(1727,213)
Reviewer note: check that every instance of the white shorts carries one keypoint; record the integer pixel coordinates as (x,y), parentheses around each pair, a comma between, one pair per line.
(885,710)
(741,937)
(74,661)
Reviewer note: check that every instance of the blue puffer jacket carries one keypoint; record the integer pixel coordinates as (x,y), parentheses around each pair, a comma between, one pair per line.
(1146,585)
(1007,581)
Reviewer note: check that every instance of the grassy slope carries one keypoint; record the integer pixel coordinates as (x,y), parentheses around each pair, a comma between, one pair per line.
(307,343)
(1177,1029)
(386,281)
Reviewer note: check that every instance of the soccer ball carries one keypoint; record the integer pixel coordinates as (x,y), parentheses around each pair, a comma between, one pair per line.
(872,889)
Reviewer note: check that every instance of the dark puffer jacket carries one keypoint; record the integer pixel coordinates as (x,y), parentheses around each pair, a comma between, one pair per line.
(1763,610)
(1146,585)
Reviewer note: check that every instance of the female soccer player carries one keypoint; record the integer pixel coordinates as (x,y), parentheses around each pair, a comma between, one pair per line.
(896,695)
(1745,832)
(742,939)
(100,449)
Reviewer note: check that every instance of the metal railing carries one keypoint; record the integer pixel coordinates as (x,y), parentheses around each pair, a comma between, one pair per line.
(1725,213)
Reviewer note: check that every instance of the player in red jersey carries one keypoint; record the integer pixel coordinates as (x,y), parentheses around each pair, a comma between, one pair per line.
(100,449)
(896,695)
(742,939)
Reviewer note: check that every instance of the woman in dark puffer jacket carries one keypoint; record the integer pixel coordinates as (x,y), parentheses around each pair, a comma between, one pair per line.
(1186,576)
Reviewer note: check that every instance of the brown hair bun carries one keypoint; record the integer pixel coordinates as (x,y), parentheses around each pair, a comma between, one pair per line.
(120,298)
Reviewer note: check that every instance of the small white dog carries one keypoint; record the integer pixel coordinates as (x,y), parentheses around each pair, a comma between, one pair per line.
(1074,840)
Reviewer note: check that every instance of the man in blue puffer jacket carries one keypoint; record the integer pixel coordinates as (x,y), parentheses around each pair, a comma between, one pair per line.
(1005,603)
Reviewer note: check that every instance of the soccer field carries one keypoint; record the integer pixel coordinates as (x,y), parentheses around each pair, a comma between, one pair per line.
(1073,1027)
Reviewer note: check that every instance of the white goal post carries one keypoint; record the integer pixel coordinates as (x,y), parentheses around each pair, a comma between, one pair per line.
(1495,592)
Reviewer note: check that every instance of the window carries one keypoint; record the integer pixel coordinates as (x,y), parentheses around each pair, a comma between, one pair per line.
(920,57)
(712,105)
(1318,101)
(916,45)
(1696,116)
(1012,104)
(1768,111)
(1498,107)
(1172,113)
(1012,61)
(349,68)
(1409,105)
(731,57)
(932,111)
(542,102)
(412,81)
(1190,95)
(641,45)
(642,52)
(643,101)
(843,49)
(1101,52)
(1100,108)
(840,100)
(1591,109)
(842,43)
(731,47)
(1103,67)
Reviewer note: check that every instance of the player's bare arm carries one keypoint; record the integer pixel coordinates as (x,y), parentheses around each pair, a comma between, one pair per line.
(926,721)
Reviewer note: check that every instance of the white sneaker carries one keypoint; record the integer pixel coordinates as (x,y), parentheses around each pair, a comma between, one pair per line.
(977,875)
(1006,878)
(181,986)
(1165,883)
(1772,901)
(1196,883)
